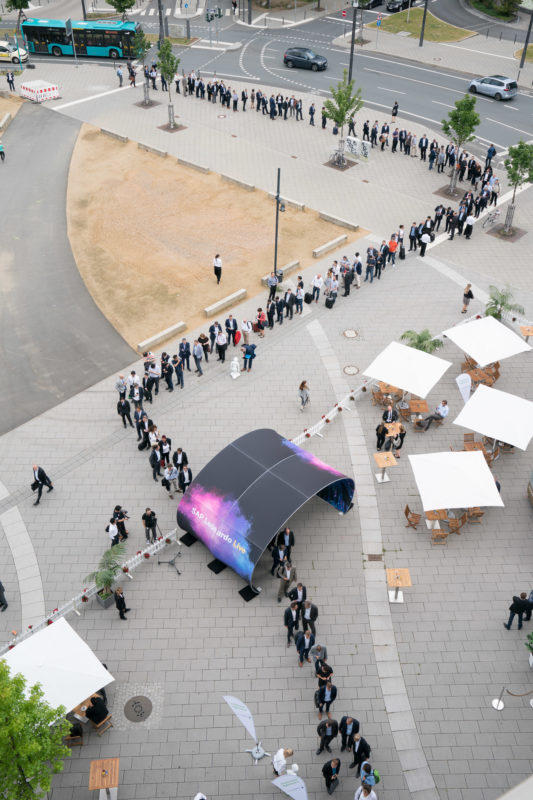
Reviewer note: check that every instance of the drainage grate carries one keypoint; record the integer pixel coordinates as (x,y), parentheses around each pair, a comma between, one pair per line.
(138,708)
(350,369)
(375,557)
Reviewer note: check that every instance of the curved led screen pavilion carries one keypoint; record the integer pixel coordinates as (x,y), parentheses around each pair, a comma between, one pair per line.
(249,490)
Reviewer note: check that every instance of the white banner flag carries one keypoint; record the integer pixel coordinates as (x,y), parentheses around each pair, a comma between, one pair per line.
(243,713)
(291,785)
(464,384)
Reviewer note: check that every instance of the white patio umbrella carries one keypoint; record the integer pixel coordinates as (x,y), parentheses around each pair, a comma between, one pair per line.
(407,368)
(486,340)
(500,415)
(64,665)
(454,480)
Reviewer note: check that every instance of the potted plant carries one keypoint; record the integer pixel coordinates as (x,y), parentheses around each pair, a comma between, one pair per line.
(500,301)
(529,644)
(422,340)
(108,568)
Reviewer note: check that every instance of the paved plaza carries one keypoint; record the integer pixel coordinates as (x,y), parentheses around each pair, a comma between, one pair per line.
(420,676)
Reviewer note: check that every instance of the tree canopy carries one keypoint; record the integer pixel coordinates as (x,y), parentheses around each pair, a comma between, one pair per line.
(31,739)
(121,6)
(519,165)
(344,103)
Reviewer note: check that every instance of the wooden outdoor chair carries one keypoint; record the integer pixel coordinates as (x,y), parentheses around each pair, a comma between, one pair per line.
(404,413)
(377,398)
(75,737)
(418,425)
(507,448)
(490,458)
(104,725)
(474,515)
(455,525)
(412,519)
(488,441)
(438,536)
(470,361)
(468,437)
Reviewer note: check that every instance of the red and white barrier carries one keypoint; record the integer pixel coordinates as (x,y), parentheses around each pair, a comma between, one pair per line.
(39,91)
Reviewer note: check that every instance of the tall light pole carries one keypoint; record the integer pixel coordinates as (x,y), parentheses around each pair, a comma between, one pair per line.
(421,42)
(161,25)
(355,5)
(279,207)
(526,43)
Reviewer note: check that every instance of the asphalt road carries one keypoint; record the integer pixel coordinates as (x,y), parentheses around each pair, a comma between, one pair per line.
(456,12)
(54,341)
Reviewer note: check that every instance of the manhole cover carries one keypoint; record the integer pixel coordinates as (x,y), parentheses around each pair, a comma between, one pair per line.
(375,557)
(351,333)
(138,708)
(437,59)
(221,116)
(350,369)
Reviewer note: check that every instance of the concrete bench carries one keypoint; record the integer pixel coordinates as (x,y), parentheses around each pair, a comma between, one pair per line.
(338,221)
(162,336)
(200,167)
(325,248)
(288,202)
(248,186)
(290,267)
(4,122)
(114,135)
(220,305)
(150,149)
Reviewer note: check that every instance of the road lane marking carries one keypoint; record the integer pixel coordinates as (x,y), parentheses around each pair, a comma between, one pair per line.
(92,97)
(394,91)
(512,127)
(442,104)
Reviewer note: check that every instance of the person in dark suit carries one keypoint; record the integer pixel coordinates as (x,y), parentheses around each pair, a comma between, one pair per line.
(519,606)
(214,329)
(40,479)
(286,537)
(326,696)
(279,555)
(280,305)
(289,303)
(3,602)
(309,616)
(185,352)
(323,672)
(184,478)
(231,329)
(98,710)
(168,371)
(290,620)
(349,727)
(304,642)
(123,410)
(271,313)
(327,730)
(413,238)
(120,602)
(361,751)
(381,432)
(179,458)
(299,593)
(423,145)
(390,415)
(330,771)
(146,424)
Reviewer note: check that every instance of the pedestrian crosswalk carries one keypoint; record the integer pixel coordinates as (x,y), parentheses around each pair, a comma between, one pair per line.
(150,12)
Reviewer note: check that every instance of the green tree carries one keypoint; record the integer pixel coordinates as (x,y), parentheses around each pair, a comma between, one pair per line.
(108,568)
(122,6)
(460,127)
(519,166)
(20,6)
(168,65)
(421,341)
(500,301)
(344,103)
(141,45)
(31,734)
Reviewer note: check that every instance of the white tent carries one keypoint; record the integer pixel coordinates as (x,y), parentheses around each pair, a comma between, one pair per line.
(61,662)
(486,340)
(454,480)
(500,415)
(407,368)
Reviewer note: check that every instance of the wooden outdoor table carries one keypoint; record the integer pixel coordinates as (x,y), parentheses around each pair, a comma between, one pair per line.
(526,331)
(79,712)
(398,578)
(434,517)
(418,407)
(393,428)
(388,388)
(103,775)
(470,447)
(478,375)
(384,460)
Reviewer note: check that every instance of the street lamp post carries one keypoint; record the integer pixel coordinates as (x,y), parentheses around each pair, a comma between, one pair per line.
(421,42)
(161,25)
(279,207)
(355,5)
(526,43)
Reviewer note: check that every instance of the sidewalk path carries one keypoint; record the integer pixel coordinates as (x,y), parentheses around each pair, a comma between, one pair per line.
(55,342)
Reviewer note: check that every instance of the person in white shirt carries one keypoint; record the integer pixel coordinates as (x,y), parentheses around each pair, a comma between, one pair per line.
(469,225)
(246,329)
(133,380)
(154,372)
(222,343)
(317,284)
(279,762)
(441,412)
(217,267)
(112,531)
(171,476)
(365,792)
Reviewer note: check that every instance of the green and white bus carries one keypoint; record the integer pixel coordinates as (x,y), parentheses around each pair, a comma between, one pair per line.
(95,38)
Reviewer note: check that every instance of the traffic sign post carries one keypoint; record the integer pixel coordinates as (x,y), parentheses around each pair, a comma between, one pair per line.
(378,24)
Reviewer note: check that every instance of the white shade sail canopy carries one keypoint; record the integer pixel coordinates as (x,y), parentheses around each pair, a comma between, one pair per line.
(407,368)
(500,415)
(64,665)
(454,480)
(486,340)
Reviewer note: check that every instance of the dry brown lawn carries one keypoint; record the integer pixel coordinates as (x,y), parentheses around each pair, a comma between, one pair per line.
(144,231)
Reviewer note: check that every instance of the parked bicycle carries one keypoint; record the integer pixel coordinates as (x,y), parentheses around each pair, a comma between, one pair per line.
(491,217)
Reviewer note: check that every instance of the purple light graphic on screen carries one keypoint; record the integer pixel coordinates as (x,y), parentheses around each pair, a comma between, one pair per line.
(311,459)
(218,521)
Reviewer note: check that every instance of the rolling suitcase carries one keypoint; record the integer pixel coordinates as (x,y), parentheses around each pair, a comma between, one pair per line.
(330,302)
(402,253)
(308,297)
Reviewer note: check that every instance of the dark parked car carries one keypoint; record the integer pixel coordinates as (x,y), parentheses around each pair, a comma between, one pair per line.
(374,3)
(303,57)
(398,5)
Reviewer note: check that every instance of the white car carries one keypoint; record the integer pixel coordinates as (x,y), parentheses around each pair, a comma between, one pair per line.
(8,52)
